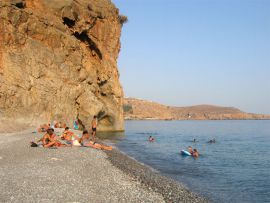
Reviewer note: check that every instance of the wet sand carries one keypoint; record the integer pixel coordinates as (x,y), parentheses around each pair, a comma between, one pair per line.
(78,174)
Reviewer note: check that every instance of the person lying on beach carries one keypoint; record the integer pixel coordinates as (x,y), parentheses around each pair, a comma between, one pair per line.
(43,127)
(86,142)
(85,137)
(195,153)
(151,139)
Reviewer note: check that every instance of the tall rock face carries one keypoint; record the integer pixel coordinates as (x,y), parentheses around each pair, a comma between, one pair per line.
(58,61)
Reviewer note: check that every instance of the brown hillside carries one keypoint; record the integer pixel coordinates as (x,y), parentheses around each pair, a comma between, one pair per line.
(141,109)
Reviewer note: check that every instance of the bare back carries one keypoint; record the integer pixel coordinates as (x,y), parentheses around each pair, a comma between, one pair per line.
(94,123)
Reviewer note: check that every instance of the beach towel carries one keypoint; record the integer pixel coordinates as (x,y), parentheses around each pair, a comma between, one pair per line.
(76,143)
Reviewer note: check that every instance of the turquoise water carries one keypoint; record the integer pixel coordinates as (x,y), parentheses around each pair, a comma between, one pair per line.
(234,169)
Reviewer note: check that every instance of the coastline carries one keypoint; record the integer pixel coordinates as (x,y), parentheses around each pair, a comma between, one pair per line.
(136,109)
(171,190)
(48,175)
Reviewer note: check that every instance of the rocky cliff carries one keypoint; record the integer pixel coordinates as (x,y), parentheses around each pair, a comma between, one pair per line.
(58,61)
(141,109)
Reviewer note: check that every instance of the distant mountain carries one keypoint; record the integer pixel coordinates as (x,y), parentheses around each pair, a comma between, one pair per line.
(142,109)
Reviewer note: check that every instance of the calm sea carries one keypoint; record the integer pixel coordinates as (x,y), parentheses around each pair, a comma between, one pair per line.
(234,169)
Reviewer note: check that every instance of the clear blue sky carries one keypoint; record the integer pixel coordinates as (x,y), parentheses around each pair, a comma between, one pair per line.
(187,52)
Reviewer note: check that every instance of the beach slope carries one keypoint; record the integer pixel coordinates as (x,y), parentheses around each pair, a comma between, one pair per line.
(79,174)
(63,175)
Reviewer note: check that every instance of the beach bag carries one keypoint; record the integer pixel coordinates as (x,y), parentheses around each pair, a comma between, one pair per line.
(33,144)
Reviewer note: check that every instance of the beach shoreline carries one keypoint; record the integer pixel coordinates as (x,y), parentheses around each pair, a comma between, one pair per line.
(171,190)
(94,175)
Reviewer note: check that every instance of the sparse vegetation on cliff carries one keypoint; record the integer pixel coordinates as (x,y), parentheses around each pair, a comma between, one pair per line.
(127,108)
(123,19)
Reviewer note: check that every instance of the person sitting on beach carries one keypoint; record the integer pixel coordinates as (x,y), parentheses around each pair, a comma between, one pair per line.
(70,137)
(86,142)
(195,153)
(76,125)
(49,139)
(190,150)
(151,139)
(57,124)
(45,138)
(43,127)
(63,125)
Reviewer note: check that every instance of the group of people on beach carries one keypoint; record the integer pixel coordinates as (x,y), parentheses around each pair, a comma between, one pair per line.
(55,124)
(69,138)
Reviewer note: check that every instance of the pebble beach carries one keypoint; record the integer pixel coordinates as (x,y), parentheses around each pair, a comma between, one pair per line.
(79,174)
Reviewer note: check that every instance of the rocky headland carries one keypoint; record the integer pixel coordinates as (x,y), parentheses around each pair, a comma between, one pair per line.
(142,109)
(58,61)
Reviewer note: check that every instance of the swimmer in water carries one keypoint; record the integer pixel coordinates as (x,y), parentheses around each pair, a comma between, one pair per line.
(190,150)
(151,139)
(195,153)
(212,141)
